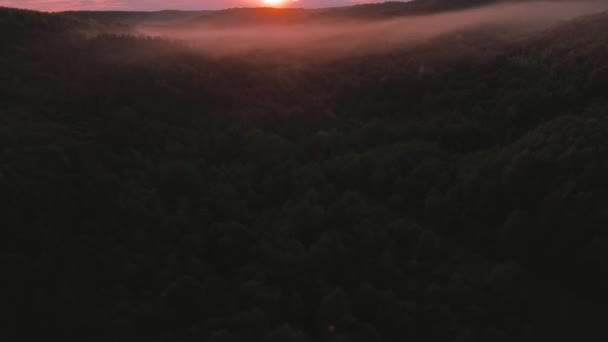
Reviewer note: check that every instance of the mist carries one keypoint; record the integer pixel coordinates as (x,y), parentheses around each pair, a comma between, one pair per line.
(335,38)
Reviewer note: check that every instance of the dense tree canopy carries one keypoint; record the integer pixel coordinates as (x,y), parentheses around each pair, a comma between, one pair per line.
(151,192)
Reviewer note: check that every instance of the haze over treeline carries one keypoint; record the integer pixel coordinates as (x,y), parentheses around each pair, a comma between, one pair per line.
(327,35)
(425,171)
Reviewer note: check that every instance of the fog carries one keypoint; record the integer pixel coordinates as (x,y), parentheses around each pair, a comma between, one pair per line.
(341,37)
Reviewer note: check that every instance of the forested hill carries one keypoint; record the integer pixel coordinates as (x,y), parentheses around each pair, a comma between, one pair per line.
(286,16)
(24,26)
(18,23)
(151,191)
(397,8)
(578,41)
(375,11)
(134,18)
(258,16)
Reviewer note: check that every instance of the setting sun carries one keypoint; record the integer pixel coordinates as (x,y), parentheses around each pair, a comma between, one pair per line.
(275,2)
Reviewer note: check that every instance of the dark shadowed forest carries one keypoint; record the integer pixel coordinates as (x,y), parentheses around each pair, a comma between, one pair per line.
(426,171)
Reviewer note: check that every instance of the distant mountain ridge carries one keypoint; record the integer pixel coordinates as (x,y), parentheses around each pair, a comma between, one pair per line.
(135,17)
(269,15)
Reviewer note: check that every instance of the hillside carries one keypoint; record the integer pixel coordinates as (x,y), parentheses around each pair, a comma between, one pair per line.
(259,16)
(580,40)
(24,26)
(19,23)
(377,11)
(134,18)
(452,189)
(282,16)
(396,9)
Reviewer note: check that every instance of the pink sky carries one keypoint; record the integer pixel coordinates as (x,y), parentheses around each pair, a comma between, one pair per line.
(153,5)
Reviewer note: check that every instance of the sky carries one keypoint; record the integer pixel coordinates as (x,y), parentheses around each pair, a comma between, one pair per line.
(154,5)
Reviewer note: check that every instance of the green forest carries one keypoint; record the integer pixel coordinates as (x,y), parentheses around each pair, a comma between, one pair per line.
(451,190)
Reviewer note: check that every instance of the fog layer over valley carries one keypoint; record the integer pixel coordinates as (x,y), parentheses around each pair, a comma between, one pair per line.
(340,37)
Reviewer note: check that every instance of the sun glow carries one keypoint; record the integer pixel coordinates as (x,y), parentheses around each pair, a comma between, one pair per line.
(276,3)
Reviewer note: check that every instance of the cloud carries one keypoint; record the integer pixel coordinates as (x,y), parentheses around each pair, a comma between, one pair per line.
(153,5)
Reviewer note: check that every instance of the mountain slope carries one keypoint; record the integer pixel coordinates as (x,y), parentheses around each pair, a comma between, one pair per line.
(24,25)
(376,11)
(134,18)
(149,191)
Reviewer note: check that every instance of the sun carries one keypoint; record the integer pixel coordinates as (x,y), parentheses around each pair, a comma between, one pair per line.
(276,3)
(273,2)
